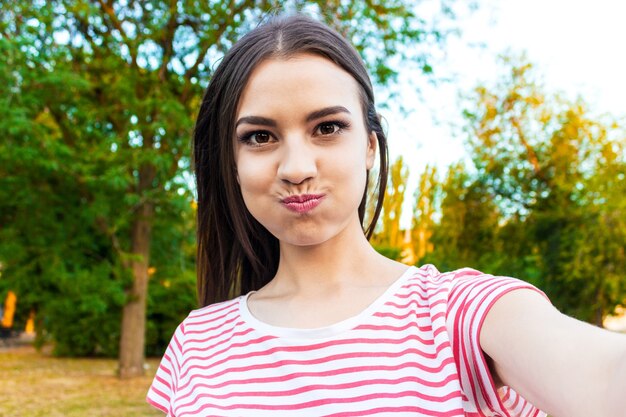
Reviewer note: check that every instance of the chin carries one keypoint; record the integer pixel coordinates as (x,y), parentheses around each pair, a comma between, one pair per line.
(307,237)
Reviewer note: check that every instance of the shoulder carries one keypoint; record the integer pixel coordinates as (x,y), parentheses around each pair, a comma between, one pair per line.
(193,335)
(464,281)
(431,274)
(464,278)
(212,316)
(465,296)
(214,310)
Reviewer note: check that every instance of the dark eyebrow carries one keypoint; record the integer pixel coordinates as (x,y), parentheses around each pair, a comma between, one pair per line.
(318,114)
(256,120)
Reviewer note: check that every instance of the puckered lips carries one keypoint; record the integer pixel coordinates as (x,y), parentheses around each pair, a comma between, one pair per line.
(302,203)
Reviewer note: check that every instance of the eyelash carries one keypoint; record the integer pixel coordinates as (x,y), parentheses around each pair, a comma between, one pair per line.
(341,125)
(247,137)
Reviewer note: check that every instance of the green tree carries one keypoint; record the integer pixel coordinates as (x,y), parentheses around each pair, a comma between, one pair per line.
(390,235)
(466,232)
(100,102)
(556,168)
(424,211)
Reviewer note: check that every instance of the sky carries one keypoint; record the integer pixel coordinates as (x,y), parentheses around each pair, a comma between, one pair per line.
(577,46)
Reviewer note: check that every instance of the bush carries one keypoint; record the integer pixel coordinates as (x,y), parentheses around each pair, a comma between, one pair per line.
(84,320)
(390,252)
(169,302)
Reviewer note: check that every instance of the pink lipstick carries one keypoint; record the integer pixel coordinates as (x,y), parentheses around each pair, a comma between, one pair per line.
(302,203)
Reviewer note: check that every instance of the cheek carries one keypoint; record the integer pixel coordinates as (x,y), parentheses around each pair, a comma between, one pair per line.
(352,160)
(252,176)
(350,171)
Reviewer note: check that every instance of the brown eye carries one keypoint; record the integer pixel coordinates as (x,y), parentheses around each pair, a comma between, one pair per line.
(260,137)
(328,128)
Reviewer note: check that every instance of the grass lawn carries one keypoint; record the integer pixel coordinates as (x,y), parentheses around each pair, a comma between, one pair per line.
(34,384)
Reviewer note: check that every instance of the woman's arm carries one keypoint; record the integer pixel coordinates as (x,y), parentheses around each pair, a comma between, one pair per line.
(563,366)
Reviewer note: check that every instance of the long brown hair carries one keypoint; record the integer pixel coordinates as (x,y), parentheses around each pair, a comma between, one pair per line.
(236,254)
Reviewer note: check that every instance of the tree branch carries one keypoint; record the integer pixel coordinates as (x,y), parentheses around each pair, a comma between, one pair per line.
(102,225)
(532,156)
(83,27)
(61,118)
(107,8)
(167,41)
(206,44)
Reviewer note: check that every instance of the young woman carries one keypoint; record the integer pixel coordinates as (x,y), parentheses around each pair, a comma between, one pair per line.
(324,325)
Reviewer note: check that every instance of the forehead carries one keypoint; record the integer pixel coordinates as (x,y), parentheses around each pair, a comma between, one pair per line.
(302,81)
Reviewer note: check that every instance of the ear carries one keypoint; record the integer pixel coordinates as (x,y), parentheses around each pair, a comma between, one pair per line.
(372,144)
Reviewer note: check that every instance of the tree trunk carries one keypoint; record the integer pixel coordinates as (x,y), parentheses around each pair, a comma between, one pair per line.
(599,316)
(132,340)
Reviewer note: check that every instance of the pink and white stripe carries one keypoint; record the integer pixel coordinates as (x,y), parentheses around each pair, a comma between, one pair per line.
(414,351)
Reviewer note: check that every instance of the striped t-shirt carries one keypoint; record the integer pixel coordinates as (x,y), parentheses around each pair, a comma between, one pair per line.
(413,352)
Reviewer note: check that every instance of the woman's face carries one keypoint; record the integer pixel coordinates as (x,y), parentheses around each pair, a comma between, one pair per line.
(301,149)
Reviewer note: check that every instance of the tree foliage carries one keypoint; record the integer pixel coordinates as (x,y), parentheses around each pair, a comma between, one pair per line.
(559,170)
(99,103)
(389,234)
(542,201)
(466,232)
(424,211)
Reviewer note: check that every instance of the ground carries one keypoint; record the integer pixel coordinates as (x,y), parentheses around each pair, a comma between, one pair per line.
(35,384)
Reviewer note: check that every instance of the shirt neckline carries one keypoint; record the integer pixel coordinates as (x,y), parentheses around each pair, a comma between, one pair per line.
(326,331)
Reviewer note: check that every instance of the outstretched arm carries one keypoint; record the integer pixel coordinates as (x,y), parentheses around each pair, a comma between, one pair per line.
(563,366)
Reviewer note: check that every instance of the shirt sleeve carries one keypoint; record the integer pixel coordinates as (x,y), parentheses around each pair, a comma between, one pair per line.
(162,392)
(471,296)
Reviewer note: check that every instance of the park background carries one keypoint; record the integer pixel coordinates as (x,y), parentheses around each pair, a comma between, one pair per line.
(499,162)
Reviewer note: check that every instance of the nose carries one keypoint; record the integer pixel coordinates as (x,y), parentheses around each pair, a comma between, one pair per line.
(297,163)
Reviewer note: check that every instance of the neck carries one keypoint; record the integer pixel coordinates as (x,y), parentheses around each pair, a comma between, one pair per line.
(330,265)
